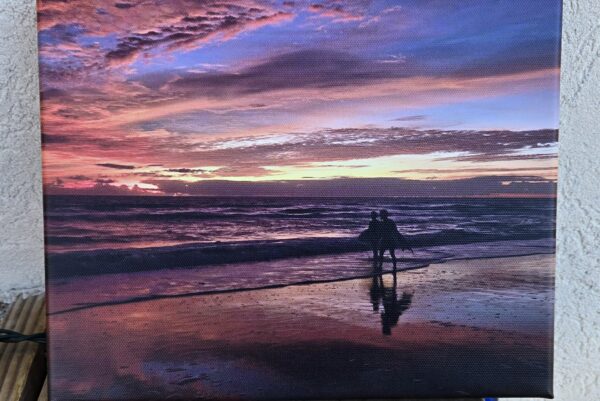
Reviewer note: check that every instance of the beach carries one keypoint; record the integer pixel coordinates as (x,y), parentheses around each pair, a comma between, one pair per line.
(275,298)
(461,327)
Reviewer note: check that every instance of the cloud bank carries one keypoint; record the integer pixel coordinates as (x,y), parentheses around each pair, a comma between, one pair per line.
(160,97)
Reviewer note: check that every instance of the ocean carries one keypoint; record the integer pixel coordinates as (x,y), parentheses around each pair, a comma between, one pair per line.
(91,223)
(95,235)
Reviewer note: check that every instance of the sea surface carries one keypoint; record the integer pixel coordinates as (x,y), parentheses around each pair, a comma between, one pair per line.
(96,235)
(89,223)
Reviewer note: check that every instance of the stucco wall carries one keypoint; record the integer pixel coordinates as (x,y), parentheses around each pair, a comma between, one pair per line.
(578,279)
(21,230)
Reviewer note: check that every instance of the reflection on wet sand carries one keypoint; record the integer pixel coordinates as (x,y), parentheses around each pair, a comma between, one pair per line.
(485,324)
(393,307)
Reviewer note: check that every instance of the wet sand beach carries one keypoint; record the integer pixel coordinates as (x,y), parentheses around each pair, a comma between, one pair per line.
(465,321)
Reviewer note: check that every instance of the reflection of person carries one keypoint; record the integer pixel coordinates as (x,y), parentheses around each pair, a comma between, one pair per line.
(375,234)
(376,290)
(388,297)
(389,236)
(393,307)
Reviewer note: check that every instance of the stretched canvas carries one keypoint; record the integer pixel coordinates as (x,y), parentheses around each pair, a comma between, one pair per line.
(278,200)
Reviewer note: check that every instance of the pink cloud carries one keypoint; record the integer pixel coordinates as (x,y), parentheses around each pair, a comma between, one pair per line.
(335,11)
(140,27)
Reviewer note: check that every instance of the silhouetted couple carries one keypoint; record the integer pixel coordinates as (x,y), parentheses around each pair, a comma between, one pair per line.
(383,235)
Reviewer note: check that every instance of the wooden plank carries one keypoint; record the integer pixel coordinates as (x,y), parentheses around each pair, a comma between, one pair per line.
(44,393)
(15,320)
(22,365)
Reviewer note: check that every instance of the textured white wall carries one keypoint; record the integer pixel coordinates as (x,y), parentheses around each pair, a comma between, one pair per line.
(578,280)
(21,231)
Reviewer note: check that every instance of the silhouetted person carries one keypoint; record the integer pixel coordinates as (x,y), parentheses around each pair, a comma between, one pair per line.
(375,230)
(389,236)
(393,307)
(372,235)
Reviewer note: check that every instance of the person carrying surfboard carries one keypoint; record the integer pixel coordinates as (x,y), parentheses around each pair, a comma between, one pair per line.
(372,235)
(390,237)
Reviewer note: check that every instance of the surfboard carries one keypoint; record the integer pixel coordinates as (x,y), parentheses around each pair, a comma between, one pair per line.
(403,243)
(367,236)
(400,241)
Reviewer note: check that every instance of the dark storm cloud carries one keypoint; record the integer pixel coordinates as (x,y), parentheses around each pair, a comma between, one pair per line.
(301,69)
(184,170)
(116,166)
(79,178)
(339,10)
(52,93)
(321,68)
(54,138)
(152,175)
(124,6)
(105,181)
(75,113)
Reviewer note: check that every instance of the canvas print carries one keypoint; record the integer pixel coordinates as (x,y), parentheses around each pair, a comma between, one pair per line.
(276,200)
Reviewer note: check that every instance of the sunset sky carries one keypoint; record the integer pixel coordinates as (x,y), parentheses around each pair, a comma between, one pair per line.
(414,97)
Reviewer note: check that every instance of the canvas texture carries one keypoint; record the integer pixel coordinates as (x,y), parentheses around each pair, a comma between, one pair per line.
(275,200)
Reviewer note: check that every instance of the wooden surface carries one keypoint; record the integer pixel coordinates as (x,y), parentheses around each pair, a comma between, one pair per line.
(23,365)
(44,393)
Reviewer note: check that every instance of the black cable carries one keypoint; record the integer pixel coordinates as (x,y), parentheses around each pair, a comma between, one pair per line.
(9,336)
